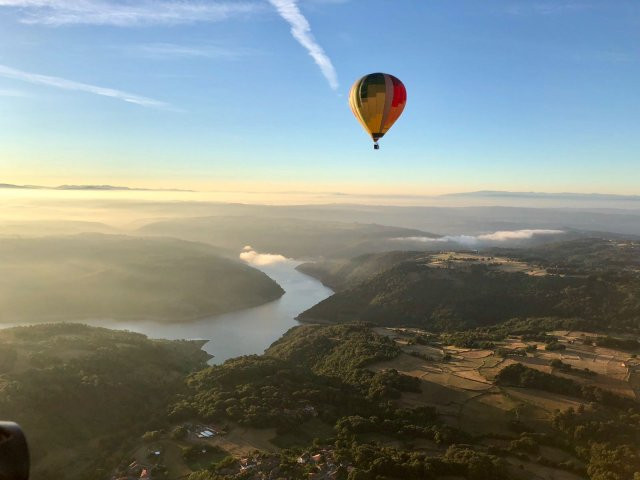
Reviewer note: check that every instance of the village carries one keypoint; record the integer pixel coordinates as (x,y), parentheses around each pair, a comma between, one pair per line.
(157,458)
(319,464)
(457,260)
(245,452)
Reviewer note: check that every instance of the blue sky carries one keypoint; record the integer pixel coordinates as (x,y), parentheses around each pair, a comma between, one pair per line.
(502,95)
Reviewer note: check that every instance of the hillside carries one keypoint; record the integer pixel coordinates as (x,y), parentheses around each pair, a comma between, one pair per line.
(342,273)
(93,276)
(348,402)
(83,394)
(603,253)
(465,290)
(291,237)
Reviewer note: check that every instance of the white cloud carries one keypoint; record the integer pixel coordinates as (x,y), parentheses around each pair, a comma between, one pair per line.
(462,239)
(301,31)
(127,13)
(62,83)
(474,240)
(505,235)
(249,255)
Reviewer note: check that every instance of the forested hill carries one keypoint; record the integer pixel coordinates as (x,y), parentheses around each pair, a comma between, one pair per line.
(581,255)
(585,255)
(84,394)
(599,283)
(113,276)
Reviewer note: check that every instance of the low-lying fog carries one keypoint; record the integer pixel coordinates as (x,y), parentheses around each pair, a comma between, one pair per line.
(39,212)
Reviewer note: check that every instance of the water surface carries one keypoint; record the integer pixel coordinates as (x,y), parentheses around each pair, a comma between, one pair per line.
(246,331)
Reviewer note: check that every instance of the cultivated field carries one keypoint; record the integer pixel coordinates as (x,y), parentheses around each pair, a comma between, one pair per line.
(459,382)
(461,259)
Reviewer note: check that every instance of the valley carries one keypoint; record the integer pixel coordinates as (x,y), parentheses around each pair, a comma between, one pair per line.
(502,362)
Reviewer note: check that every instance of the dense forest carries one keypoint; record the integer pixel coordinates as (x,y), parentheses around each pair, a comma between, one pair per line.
(401,289)
(311,366)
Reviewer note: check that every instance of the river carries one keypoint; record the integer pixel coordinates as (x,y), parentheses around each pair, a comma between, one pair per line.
(246,331)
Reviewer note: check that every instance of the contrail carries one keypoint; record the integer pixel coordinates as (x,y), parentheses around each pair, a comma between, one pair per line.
(301,31)
(65,84)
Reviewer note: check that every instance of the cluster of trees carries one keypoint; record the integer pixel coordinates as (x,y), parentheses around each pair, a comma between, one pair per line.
(535,328)
(530,329)
(311,366)
(555,346)
(401,424)
(261,392)
(373,462)
(340,352)
(511,352)
(607,439)
(390,384)
(567,368)
(518,375)
(618,343)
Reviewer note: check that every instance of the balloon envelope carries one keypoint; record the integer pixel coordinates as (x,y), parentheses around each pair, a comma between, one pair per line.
(377,100)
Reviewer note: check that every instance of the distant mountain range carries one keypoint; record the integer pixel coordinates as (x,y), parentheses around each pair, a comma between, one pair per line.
(498,194)
(544,195)
(90,187)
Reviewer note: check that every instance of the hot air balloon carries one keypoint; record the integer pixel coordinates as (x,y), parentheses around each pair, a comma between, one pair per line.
(377,100)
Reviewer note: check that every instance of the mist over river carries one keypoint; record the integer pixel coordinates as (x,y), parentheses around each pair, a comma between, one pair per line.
(243,332)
